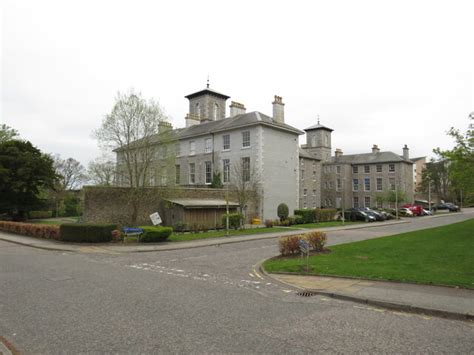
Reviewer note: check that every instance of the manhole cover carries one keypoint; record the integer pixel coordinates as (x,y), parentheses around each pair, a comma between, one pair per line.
(305,294)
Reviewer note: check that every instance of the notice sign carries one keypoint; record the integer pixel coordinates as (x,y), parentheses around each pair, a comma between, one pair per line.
(155,218)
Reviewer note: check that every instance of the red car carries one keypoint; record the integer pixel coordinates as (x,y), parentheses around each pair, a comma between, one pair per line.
(416,209)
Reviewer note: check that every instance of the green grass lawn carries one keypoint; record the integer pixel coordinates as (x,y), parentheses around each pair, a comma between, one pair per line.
(442,256)
(182,237)
(324,224)
(54,221)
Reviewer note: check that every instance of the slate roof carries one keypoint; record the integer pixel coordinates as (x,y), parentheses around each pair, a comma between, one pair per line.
(199,203)
(370,158)
(207,91)
(318,126)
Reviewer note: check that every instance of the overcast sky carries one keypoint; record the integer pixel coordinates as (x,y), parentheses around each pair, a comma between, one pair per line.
(377,72)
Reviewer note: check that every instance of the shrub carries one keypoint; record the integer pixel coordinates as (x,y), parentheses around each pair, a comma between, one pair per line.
(324,214)
(87,232)
(31,230)
(179,227)
(307,214)
(282,211)
(154,234)
(316,240)
(285,223)
(289,245)
(235,220)
(299,219)
(268,223)
(291,220)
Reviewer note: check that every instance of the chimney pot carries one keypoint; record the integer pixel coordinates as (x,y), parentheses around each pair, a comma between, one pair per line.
(406,154)
(375,149)
(338,152)
(236,108)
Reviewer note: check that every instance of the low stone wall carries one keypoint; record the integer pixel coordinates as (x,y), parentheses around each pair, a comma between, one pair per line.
(114,204)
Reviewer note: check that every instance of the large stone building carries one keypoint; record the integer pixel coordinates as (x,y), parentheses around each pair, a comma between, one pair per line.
(261,149)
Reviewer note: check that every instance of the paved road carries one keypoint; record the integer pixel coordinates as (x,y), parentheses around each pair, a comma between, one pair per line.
(202,300)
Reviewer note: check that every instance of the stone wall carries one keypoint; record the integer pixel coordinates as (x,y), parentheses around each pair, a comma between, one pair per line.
(113,204)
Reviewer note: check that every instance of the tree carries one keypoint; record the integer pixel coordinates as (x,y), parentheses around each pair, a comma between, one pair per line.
(283,211)
(101,171)
(138,131)
(72,174)
(460,160)
(245,182)
(7,133)
(24,172)
(435,177)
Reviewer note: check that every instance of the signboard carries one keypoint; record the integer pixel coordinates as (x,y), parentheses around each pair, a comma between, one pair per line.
(155,218)
(304,246)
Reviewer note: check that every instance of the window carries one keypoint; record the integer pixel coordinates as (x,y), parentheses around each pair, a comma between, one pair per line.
(207,145)
(314,192)
(178,174)
(379,168)
(391,168)
(338,169)
(226,142)
(355,169)
(391,182)
(379,203)
(302,174)
(379,184)
(391,205)
(177,149)
(246,139)
(192,173)
(314,175)
(192,148)
(314,165)
(330,184)
(164,177)
(355,185)
(208,177)
(305,192)
(314,204)
(367,169)
(304,204)
(338,185)
(226,170)
(246,169)
(367,201)
(356,202)
(152,180)
(366,184)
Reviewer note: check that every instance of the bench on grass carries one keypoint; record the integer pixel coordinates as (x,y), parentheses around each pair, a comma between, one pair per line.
(132,232)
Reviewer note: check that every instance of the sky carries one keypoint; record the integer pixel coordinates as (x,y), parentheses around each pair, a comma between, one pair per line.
(377,72)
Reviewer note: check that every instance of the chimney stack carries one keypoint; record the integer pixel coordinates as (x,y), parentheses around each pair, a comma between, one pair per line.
(278,110)
(236,108)
(164,126)
(375,149)
(406,155)
(338,153)
(192,119)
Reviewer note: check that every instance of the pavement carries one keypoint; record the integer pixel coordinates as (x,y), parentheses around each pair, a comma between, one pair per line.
(447,302)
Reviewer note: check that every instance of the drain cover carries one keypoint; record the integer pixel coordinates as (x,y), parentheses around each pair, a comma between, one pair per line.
(305,294)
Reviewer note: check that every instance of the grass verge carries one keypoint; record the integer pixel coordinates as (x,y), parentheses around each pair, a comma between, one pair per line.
(324,224)
(441,256)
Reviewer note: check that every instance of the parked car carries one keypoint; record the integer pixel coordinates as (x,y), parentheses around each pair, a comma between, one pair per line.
(405,212)
(451,207)
(354,214)
(427,212)
(387,215)
(417,210)
(378,216)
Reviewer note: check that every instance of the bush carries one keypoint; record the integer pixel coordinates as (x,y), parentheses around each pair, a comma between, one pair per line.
(179,227)
(282,211)
(299,219)
(235,220)
(40,214)
(31,230)
(87,232)
(268,223)
(324,214)
(291,220)
(316,240)
(285,223)
(289,245)
(155,234)
(307,214)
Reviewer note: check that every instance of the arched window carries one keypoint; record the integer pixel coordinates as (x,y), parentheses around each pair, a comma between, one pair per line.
(197,112)
(215,114)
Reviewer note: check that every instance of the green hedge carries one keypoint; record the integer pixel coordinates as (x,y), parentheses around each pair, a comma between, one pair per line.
(307,214)
(324,214)
(155,234)
(40,214)
(86,232)
(235,220)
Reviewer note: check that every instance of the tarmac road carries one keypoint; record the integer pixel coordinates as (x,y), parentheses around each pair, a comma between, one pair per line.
(207,299)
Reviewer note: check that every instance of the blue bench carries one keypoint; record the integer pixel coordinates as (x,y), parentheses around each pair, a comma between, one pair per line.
(131,232)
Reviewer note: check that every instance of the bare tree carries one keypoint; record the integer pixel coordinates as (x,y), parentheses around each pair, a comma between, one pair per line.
(101,170)
(71,173)
(138,131)
(245,182)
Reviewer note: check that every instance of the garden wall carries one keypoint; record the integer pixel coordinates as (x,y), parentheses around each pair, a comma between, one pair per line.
(114,204)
